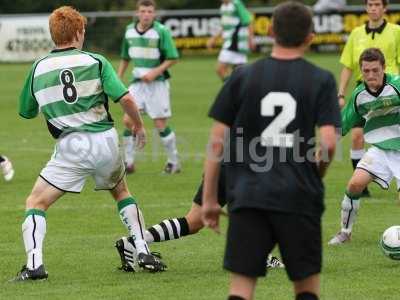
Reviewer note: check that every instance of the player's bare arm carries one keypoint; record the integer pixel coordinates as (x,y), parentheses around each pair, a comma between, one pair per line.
(345,76)
(130,108)
(327,148)
(210,208)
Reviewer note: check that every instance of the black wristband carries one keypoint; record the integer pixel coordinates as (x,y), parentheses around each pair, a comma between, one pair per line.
(340,96)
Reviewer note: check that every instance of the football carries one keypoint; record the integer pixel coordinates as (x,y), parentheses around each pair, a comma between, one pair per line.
(390,242)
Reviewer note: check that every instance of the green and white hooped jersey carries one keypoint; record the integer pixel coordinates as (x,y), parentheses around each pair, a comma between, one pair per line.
(380,111)
(71,88)
(235,21)
(147,50)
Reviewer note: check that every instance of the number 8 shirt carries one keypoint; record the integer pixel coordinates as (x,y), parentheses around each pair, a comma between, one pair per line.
(71,88)
(272,108)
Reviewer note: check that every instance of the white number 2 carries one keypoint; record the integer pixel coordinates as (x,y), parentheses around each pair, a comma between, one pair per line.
(274,134)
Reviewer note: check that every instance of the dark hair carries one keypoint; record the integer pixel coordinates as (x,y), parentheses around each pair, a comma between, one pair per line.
(372,54)
(146,3)
(384,2)
(292,22)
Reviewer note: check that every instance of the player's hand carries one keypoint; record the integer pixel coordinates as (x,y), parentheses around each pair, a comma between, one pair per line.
(150,76)
(140,134)
(210,215)
(211,43)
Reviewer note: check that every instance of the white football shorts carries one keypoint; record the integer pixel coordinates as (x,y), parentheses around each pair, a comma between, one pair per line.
(232,58)
(383,165)
(153,98)
(79,155)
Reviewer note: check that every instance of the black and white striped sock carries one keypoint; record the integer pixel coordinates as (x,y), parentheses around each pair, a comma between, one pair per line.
(167,230)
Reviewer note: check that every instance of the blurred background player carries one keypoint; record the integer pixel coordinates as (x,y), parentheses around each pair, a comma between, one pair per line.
(71,88)
(326,6)
(149,45)
(376,104)
(377,32)
(7,168)
(274,196)
(237,35)
(179,227)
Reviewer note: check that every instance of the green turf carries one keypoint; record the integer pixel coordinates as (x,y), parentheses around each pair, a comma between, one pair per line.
(79,253)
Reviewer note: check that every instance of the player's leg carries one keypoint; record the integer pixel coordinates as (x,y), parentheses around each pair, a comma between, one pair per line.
(241,287)
(131,216)
(373,166)
(302,252)
(351,205)
(168,139)
(43,195)
(249,239)
(7,168)
(357,151)
(128,139)
(307,289)
(128,144)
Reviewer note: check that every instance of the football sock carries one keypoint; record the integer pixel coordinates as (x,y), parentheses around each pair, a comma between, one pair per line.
(129,147)
(232,297)
(350,207)
(168,139)
(33,232)
(356,156)
(2,159)
(132,218)
(167,230)
(306,296)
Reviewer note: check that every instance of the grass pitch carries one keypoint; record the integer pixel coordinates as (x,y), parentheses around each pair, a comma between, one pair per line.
(81,229)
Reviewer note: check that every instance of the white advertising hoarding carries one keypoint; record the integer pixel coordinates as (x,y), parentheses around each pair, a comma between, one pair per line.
(24,38)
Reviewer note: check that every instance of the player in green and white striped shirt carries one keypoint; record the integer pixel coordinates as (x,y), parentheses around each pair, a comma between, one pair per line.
(377,102)
(149,45)
(71,88)
(237,35)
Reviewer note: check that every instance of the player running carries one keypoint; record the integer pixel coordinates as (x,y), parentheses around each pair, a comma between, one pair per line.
(375,102)
(71,88)
(237,35)
(149,45)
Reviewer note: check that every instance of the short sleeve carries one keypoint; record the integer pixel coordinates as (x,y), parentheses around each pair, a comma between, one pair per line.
(112,85)
(125,49)
(167,45)
(226,104)
(350,116)
(328,111)
(28,106)
(244,15)
(346,58)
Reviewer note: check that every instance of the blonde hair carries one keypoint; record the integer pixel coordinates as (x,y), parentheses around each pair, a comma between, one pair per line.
(64,23)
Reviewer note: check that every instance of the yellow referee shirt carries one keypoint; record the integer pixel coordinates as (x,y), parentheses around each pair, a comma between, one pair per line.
(386,38)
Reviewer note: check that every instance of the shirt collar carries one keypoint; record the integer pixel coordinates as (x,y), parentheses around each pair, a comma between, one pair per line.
(368,30)
(62,49)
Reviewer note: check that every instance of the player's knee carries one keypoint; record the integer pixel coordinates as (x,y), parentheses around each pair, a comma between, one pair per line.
(37,202)
(306,296)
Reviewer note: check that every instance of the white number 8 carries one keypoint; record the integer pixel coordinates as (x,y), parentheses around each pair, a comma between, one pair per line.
(274,135)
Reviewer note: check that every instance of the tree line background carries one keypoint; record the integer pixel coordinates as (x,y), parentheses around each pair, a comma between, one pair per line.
(41,6)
